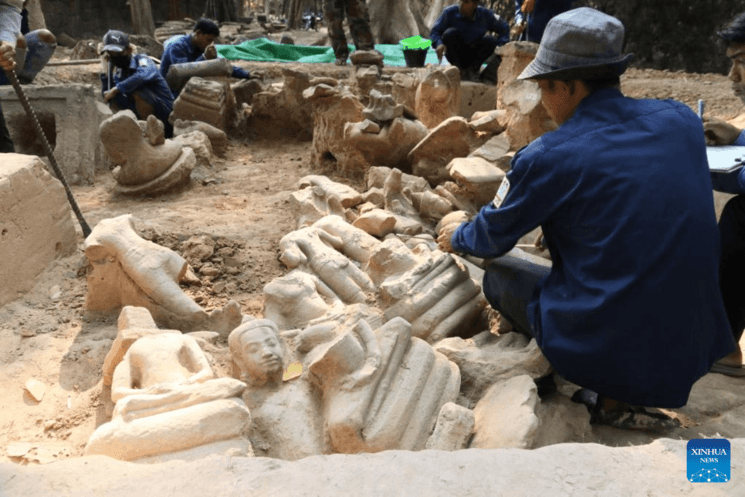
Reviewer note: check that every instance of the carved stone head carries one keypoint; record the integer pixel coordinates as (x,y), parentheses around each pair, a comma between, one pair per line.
(259,352)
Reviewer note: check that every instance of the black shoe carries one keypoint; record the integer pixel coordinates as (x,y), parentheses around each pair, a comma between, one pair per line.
(625,416)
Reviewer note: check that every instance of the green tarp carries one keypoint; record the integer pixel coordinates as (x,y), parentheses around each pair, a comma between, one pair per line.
(268,51)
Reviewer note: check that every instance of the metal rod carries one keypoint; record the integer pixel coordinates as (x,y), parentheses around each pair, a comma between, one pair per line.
(11,74)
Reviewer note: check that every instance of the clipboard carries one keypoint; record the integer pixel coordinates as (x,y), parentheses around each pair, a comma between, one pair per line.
(725,158)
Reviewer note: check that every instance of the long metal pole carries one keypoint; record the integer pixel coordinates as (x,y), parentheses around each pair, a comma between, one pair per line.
(48,149)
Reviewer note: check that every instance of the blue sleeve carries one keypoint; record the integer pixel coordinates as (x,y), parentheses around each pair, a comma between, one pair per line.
(740,139)
(436,33)
(535,192)
(500,26)
(518,13)
(240,73)
(146,72)
(179,54)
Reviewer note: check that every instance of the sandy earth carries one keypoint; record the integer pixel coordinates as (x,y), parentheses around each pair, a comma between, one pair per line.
(241,206)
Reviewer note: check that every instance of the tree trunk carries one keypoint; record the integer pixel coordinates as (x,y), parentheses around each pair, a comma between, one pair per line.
(142,17)
(221,10)
(393,20)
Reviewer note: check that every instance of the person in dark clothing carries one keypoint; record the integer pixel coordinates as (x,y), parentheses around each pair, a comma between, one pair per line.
(195,47)
(630,308)
(460,34)
(732,220)
(132,81)
(531,17)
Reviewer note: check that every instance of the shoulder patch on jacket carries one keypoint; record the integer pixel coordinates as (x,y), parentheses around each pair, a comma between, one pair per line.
(504,188)
(143,62)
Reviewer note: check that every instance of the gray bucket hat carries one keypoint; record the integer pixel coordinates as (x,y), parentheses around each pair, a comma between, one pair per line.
(581,38)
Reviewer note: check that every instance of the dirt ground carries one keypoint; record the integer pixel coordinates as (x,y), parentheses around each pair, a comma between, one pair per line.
(240,207)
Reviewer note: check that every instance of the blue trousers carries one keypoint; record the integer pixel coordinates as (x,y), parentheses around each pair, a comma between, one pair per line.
(510,283)
(467,56)
(732,263)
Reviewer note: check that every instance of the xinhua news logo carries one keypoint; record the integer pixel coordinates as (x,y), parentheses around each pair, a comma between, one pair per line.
(708,460)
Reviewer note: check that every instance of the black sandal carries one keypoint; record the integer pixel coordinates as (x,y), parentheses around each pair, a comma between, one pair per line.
(628,417)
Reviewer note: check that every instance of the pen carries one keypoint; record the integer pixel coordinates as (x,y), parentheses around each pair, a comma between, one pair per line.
(701,109)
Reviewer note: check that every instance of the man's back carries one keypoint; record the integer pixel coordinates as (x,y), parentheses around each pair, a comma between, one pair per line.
(623,194)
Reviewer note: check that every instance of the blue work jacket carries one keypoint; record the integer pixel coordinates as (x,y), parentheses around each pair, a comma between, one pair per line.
(142,74)
(543,12)
(180,50)
(484,20)
(631,308)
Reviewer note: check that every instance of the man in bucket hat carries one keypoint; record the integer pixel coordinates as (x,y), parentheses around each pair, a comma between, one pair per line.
(630,308)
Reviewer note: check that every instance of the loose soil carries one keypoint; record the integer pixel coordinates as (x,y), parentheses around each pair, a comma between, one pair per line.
(240,209)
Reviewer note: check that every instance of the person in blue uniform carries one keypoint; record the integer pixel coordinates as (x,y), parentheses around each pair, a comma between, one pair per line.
(194,47)
(630,308)
(531,17)
(132,81)
(732,220)
(460,34)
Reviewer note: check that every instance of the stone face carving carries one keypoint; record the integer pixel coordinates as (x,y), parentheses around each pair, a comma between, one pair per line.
(333,108)
(218,138)
(452,138)
(438,96)
(527,119)
(125,269)
(362,390)
(141,166)
(168,401)
(207,101)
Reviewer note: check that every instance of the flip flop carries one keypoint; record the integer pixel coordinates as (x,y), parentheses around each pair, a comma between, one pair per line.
(627,418)
(735,371)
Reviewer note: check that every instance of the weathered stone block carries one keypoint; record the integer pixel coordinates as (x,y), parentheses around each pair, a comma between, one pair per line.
(35,223)
(207,101)
(70,116)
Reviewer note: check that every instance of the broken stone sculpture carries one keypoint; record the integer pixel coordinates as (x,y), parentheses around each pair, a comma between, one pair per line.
(488,121)
(169,405)
(496,151)
(218,138)
(142,167)
(477,179)
(361,390)
(333,108)
(453,429)
(325,254)
(200,144)
(526,118)
(124,269)
(319,196)
(452,138)
(207,101)
(297,298)
(438,96)
(430,289)
(386,136)
(283,110)
(487,359)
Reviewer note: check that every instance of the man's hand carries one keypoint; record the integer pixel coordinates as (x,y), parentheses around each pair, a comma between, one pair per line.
(445,235)
(718,132)
(528,6)
(258,74)
(110,94)
(440,52)
(210,52)
(7,56)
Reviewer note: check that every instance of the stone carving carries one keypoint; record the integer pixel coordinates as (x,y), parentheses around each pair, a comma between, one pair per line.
(487,359)
(207,101)
(294,300)
(142,167)
(387,135)
(478,179)
(454,428)
(168,401)
(200,145)
(488,122)
(452,138)
(284,110)
(496,151)
(438,96)
(369,385)
(333,108)
(218,138)
(124,269)
(526,119)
